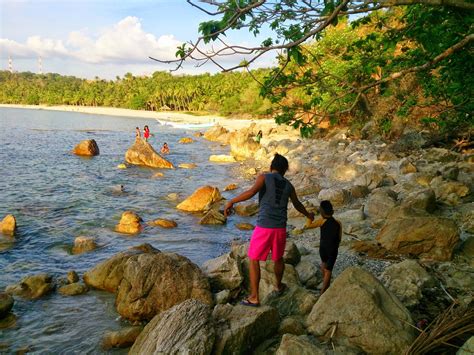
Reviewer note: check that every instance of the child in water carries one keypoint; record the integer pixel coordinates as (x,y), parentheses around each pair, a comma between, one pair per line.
(331,233)
(165,149)
(137,132)
(146,133)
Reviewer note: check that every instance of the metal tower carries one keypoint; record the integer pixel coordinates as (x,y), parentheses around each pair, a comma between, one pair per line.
(40,65)
(10,64)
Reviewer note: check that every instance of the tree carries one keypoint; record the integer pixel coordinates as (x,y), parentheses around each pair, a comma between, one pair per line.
(295,26)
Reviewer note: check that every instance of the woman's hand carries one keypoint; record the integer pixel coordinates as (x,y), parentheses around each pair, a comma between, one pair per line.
(228,208)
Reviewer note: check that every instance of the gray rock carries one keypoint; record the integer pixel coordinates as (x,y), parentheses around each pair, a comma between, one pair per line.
(33,287)
(380,203)
(224,272)
(338,197)
(424,200)
(366,314)
(407,280)
(291,325)
(240,329)
(295,301)
(301,345)
(183,329)
(359,191)
(307,268)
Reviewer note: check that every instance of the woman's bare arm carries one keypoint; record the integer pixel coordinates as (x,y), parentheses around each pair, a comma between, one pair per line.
(259,183)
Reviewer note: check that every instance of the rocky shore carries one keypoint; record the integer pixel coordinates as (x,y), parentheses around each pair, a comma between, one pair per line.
(407,213)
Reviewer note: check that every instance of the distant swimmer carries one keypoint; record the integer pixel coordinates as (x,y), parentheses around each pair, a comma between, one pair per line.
(165,149)
(146,133)
(137,132)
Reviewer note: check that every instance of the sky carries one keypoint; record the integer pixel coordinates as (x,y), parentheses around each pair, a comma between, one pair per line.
(104,38)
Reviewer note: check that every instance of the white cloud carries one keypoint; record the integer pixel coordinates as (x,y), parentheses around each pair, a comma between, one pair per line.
(124,42)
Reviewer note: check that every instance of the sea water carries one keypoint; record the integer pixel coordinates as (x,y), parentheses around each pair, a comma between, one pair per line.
(57,196)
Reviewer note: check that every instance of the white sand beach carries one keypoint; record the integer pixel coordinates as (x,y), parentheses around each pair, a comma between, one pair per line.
(176,117)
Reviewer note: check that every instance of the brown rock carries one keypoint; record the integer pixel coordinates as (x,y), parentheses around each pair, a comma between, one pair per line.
(406,167)
(186,140)
(142,153)
(84,244)
(87,148)
(148,281)
(245,226)
(72,277)
(33,287)
(224,272)
(231,187)
(246,210)
(8,225)
(380,203)
(359,191)
(201,199)
(301,345)
(221,158)
(129,223)
(122,338)
(338,197)
(6,304)
(430,238)
(158,175)
(73,289)
(242,145)
(217,134)
(163,223)
(213,217)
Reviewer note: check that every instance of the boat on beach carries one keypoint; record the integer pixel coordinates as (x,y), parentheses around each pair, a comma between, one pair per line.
(184,125)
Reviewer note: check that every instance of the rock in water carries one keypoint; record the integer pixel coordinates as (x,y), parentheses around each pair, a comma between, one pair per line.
(244,226)
(148,281)
(213,217)
(129,223)
(246,210)
(8,225)
(72,277)
(186,140)
(201,199)
(221,158)
(163,223)
(142,153)
(429,238)
(363,313)
(217,134)
(184,329)
(87,148)
(6,304)
(231,187)
(83,244)
(73,289)
(33,287)
(122,338)
(240,329)
(187,165)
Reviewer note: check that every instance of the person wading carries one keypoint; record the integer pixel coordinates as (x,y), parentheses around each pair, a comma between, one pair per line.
(274,191)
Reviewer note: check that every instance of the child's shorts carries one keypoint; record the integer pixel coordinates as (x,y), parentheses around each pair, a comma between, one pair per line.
(265,240)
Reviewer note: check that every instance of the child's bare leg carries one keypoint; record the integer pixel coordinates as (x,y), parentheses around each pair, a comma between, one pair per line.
(254,281)
(326,280)
(279,269)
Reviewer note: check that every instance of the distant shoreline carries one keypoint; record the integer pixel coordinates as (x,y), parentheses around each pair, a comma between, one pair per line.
(229,123)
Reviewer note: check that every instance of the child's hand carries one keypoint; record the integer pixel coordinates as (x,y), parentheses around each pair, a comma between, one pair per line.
(228,209)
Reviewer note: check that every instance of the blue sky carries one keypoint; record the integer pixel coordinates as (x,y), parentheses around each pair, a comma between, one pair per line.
(104,38)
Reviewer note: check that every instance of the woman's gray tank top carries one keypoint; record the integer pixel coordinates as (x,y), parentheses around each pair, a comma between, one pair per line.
(273,199)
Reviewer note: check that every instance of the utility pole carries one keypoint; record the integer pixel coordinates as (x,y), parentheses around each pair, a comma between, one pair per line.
(40,65)
(10,64)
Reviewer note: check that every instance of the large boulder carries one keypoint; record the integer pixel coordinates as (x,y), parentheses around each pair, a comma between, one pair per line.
(224,272)
(407,281)
(6,304)
(380,203)
(296,301)
(449,192)
(362,313)
(83,244)
(338,197)
(371,179)
(87,148)
(430,238)
(424,200)
(201,199)
(148,281)
(32,287)
(142,153)
(130,223)
(184,329)
(240,329)
(243,146)
(8,225)
(217,134)
(301,345)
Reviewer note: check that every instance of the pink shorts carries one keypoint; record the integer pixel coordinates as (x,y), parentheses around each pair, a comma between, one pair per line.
(265,240)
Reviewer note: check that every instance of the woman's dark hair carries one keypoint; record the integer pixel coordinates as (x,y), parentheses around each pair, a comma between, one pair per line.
(326,208)
(279,163)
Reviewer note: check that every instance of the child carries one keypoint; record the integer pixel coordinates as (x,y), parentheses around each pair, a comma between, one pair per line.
(146,133)
(259,136)
(137,133)
(165,149)
(331,232)
(274,191)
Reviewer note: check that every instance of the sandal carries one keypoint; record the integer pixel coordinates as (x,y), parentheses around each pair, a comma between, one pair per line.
(282,290)
(246,302)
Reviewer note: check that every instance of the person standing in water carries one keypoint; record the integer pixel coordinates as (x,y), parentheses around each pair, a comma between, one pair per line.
(165,149)
(137,133)
(274,191)
(331,233)
(146,133)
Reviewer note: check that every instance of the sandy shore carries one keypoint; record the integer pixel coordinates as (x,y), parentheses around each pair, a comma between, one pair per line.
(229,123)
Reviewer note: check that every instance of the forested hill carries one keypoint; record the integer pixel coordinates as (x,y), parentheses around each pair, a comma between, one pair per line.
(235,93)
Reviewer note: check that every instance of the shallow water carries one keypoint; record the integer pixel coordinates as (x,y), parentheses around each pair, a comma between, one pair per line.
(57,196)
